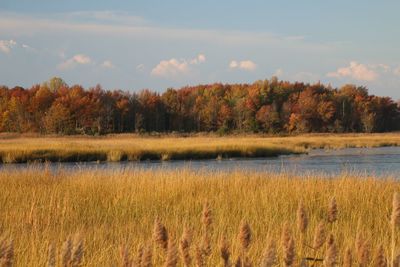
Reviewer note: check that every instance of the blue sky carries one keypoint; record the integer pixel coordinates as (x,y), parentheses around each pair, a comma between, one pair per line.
(153,44)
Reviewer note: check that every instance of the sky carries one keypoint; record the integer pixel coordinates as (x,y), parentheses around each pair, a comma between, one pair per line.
(155,44)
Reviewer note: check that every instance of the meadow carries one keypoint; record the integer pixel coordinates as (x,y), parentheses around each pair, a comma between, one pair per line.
(16,149)
(169,218)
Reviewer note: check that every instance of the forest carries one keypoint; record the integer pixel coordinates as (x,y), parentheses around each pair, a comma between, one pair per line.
(265,106)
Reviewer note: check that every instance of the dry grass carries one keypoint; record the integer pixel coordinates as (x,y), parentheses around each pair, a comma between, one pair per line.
(130,147)
(109,210)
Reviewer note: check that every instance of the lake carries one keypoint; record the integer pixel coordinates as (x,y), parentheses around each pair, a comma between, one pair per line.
(369,161)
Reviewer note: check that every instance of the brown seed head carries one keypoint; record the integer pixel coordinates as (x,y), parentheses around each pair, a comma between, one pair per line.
(184,246)
(319,236)
(207,218)
(160,234)
(269,258)
(199,257)
(289,254)
(302,219)
(52,256)
(331,253)
(8,255)
(332,211)
(172,254)
(77,253)
(147,256)
(244,235)
(224,250)
(67,252)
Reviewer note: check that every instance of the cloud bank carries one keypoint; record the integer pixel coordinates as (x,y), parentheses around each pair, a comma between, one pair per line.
(175,67)
(7,45)
(247,65)
(355,71)
(79,59)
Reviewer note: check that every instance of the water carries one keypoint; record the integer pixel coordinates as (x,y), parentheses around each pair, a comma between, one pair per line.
(367,161)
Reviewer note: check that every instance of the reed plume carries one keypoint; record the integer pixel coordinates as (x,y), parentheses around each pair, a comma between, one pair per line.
(244,238)
(77,253)
(302,224)
(7,259)
(147,256)
(319,236)
(269,258)
(160,234)
(332,211)
(199,257)
(224,251)
(172,254)
(67,252)
(380,259)
(289,253)
(302,219)
(330,258)
(244,235)
(184,246)
(52,256)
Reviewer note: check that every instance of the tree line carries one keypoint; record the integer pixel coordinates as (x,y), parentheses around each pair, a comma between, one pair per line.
(270,105)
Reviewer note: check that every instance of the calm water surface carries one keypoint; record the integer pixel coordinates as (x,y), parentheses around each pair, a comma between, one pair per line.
(367,161)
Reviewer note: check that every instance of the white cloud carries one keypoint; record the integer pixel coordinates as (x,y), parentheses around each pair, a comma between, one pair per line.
(7,45)
(233,64)
(355,71)
(108,64)
(201,58)
(79,59)
(171,67)
(244,65)
(175,67)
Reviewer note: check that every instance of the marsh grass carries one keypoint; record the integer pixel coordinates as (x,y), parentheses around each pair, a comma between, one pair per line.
(113,208)
(134,148)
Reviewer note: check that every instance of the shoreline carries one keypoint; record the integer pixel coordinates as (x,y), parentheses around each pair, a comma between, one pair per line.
(119,148)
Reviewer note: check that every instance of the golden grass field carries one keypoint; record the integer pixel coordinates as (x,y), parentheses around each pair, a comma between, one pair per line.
(110,209)
(132,147)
